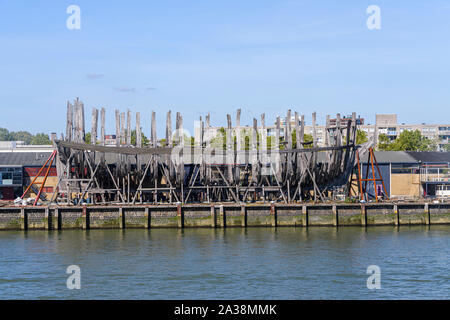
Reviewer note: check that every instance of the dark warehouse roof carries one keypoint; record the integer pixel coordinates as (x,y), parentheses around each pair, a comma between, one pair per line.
(24,158)
(391,157)
(410,157)
(437,157)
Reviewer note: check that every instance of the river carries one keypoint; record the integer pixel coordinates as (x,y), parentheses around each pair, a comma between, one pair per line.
(234,263)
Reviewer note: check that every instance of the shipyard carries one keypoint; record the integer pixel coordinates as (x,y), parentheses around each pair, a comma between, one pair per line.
(224,158)
(231,176)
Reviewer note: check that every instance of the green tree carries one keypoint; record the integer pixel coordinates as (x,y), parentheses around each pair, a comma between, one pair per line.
(407,141)
(361,137)
(144,139)
(41,139)
(384,142)
(4,135)
(87,138)
(219,141)
(22,136)
(307,140)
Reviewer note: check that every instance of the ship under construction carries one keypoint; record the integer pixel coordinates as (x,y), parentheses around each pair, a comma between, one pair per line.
(233,164)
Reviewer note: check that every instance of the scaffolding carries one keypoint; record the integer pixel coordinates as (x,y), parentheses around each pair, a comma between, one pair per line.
(234,164)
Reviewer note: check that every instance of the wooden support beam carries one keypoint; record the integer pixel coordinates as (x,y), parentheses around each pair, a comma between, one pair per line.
(117,128)
(138,131)
(69,124)
(128,134)
(102,126)
(153,137)
(94,126)
(122,128)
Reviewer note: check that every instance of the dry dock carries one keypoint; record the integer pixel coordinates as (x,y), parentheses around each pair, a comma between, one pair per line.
(222,216)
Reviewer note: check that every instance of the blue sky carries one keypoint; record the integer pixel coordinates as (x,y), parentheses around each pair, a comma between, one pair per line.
(216,56)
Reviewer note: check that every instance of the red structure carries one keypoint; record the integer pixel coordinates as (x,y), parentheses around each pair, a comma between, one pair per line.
(362,181)
(49,162)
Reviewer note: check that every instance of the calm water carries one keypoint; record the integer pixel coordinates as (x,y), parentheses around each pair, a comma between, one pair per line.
(254,263)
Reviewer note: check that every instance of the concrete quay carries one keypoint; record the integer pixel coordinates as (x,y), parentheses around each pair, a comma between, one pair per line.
(222,215)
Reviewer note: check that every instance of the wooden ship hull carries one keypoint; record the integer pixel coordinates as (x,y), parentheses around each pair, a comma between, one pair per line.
(245,166)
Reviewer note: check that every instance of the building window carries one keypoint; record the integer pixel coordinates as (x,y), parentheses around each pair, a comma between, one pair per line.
(404,168)
(10,176)
(392,131)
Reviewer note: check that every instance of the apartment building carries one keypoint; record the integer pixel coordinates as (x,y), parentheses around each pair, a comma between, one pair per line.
(384,123)
(387,124)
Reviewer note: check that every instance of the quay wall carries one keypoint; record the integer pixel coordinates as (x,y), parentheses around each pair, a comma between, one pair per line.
(222,216)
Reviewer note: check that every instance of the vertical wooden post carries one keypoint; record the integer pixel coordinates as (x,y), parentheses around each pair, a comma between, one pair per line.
(277,133)
(297,130)
(147,216)
(94,126)
(85,218)
(167,158)
(263,143)
(168,129)
(56,219)
(287,130)
(223,217)
(229,158)
(396,215)
(122,128)
(23,219)
(254,153)
(327,133)
(244,215)
(304,215)
(335,215)
(238,142)
(69,124)
(102,126)
(273,215)
(128,188)
(363,215)
(338,130)
(213,217)
(121,218)
(138,130)
(128,142)
(75,122)
(314,132)
(118,128)
(47,221)
(302,130)
(180,217)
(83,124)
(314,154)
(427,214)
(153,137)
(138,144)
